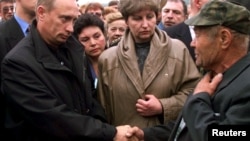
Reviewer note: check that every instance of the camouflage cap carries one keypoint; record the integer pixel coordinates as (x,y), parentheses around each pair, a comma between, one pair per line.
(223,13)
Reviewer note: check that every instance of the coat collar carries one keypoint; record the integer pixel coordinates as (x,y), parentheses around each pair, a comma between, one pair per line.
(182,32)
(159,49)
(48,59)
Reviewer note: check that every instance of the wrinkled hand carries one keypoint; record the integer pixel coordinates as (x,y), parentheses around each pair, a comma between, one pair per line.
(121,134)
(208,84)
(135,132)
(149,106)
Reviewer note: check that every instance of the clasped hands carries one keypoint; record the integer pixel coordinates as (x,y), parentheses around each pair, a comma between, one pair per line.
(128,133)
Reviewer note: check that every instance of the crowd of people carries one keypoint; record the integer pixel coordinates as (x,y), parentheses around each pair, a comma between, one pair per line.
(134,70)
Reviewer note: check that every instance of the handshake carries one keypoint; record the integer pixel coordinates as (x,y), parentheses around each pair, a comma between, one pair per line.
(128,133)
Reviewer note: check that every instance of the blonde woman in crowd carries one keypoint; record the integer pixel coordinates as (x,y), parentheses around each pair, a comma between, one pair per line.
(116,26)
(108,10)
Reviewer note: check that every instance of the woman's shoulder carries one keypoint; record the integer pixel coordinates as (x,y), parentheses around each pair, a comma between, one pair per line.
(109,54)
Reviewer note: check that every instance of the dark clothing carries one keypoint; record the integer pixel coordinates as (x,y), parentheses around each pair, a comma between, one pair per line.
(142,50)
(181,31)
(47,100)
(91,75)
(228,106)
(10,34)
(158,132)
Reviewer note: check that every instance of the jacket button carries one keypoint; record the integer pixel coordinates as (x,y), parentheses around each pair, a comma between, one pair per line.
(125,48)
(62,63)
(87,110)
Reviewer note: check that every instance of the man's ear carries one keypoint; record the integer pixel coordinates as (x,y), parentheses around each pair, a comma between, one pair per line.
(197,3)
(225,37)
(40,12)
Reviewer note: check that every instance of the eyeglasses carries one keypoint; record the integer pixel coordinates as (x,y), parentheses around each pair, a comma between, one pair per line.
(6,9)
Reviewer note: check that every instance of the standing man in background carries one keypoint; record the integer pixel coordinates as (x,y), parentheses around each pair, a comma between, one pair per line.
(184,32)
(173,12)
(11,32)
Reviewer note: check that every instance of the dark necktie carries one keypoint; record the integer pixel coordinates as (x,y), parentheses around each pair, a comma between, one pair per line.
(27,31)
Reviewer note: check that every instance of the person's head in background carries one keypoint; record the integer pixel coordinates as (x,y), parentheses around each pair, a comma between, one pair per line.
(114,4)
(141,18)
(116,26)
(82,8)
(195,6)
(25,9)
(173,12)
(90,31)
(95,8)
(108,10)
(7,9)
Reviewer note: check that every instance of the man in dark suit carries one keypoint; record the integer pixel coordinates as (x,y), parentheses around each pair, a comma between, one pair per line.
(12,31)
(182,31)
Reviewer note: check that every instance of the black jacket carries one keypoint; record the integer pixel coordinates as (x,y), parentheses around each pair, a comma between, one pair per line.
(10,34)
(181,31)
(45,99)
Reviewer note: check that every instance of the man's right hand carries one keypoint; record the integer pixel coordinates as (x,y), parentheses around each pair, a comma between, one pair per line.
(135,132)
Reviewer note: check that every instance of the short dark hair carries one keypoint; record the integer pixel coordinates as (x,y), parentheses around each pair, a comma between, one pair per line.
(87,20)
(128,7)
(113,2)
(184,5)
(94,5)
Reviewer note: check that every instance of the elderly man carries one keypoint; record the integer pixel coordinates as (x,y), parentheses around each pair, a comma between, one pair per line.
(222,97)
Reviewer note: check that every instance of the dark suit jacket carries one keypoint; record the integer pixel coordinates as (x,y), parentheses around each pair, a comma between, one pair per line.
(228,106)
(166,132)
(10,34)
(181,31)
